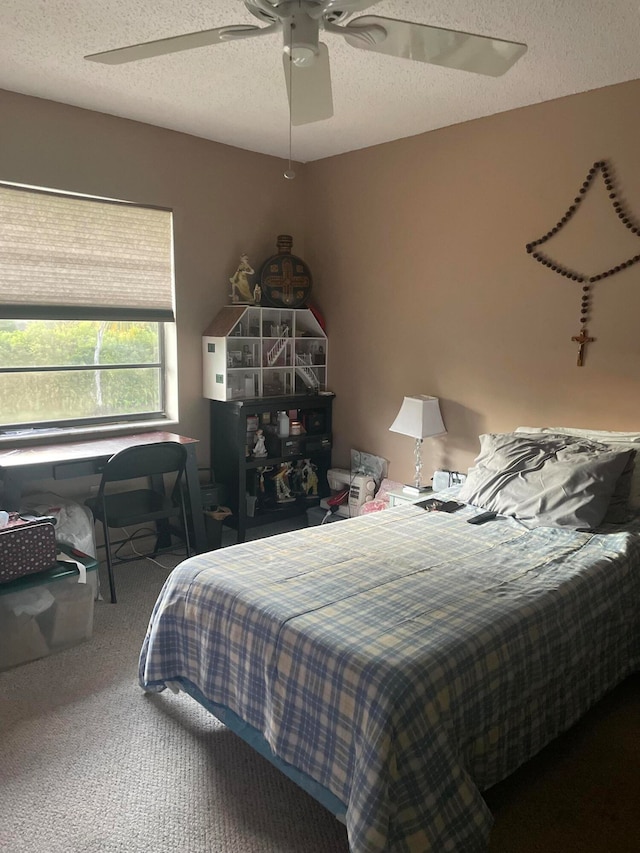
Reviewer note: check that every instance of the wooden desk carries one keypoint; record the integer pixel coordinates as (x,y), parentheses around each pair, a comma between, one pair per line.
(63,460)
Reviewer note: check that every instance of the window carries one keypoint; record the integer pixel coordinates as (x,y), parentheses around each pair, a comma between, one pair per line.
(86,293)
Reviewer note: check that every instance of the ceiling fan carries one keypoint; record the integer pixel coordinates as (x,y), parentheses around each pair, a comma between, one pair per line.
(306,59)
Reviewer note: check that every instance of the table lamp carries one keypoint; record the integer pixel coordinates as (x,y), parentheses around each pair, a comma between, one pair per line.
(419,417)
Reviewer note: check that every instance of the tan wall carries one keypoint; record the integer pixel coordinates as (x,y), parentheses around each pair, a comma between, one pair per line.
(225,201)
(418,252)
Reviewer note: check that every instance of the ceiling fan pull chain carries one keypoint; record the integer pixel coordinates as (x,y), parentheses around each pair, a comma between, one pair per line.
(290,174)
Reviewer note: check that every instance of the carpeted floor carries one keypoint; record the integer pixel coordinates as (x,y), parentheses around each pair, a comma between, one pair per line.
(89,764)
(582,793)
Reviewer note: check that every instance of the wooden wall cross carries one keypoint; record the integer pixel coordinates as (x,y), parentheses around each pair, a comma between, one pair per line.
(583,339)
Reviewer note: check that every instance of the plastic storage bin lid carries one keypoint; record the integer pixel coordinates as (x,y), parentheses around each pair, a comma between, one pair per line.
(58,572)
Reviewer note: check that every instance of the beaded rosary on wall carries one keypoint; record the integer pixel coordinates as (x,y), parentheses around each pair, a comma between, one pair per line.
(586,280)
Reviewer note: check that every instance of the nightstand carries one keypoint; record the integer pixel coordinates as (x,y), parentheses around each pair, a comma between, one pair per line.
(400,497)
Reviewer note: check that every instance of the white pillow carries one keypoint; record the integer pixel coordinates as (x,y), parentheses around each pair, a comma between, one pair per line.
(616,440)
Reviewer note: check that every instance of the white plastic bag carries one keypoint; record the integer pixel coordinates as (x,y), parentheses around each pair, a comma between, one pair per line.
(74,522)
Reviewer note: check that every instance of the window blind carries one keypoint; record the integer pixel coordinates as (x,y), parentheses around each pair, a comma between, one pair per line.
(66,257)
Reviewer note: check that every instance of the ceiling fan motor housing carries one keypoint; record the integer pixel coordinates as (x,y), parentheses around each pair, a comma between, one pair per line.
(271,10)
(299,33)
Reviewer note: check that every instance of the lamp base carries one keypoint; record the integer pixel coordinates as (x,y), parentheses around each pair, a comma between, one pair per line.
(416,490)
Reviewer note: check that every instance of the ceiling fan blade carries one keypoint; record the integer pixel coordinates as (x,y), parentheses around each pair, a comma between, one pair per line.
(188,41)
(423,43)
(309,88)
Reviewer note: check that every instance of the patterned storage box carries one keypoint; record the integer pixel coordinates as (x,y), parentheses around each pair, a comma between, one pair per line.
(26,547)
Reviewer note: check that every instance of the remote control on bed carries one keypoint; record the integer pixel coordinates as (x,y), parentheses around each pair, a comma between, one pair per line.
(484,516)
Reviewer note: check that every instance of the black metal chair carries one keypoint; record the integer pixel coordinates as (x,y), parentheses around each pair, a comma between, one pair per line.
(120,509)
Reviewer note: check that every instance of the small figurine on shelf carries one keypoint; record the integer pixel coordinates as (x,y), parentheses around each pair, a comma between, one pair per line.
(281,479)
(309,478)
(257,294)
(241,290)
(261,473)
(259,447)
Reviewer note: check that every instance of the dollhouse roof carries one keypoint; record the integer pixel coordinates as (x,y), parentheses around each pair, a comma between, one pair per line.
(224,321)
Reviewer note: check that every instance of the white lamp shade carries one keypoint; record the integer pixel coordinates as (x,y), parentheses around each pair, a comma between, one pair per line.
(419,417)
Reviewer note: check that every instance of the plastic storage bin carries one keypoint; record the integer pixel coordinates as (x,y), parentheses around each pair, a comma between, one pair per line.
(46,612)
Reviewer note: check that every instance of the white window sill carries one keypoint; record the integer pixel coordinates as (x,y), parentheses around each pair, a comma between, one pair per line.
(27,436)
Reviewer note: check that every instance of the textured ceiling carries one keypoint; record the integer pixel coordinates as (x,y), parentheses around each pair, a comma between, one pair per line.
(235,92)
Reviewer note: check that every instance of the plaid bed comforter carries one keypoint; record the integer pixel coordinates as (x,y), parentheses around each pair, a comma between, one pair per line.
(405,660)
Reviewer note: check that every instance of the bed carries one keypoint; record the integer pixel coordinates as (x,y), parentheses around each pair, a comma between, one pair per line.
(397,664)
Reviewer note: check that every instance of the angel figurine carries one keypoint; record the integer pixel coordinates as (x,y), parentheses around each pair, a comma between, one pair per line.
(259,447)
(241,290)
